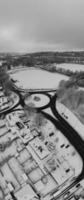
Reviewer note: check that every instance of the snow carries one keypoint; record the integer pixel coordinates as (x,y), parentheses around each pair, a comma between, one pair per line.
(37,79)
(71,66)
(42,100)
(71,118)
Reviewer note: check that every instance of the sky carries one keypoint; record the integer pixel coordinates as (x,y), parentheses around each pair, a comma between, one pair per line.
(41,25)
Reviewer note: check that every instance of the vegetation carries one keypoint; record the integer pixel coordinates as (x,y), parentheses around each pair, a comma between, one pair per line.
(5,80)
(42,58)
(72,97)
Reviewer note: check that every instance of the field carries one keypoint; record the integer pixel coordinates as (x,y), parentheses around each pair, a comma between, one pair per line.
(37,79)
(71,66)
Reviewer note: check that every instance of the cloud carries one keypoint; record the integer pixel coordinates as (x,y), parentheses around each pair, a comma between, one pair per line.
(8,33)
(32,25)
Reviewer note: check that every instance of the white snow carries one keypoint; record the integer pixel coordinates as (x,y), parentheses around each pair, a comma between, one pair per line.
(71,66)
(43,100)
(37,79)
(71,118)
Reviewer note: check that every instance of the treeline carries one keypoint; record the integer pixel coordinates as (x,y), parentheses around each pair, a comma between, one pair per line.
(43,58)
(74,82)
(5,81)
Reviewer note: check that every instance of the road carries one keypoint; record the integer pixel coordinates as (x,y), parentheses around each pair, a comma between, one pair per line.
(60,123)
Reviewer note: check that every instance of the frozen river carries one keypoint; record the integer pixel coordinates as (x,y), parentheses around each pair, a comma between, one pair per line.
(37,79)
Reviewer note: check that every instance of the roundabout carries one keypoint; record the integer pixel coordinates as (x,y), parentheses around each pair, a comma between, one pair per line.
(37,140)
(37,101)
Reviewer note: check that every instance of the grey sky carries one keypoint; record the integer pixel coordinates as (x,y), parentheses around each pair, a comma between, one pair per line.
(35,25)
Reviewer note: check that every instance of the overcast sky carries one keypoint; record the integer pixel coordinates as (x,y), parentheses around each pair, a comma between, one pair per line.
(40,25)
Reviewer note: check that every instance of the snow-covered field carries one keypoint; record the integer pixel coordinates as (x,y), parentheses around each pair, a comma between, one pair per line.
(71,66)
(37,79)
